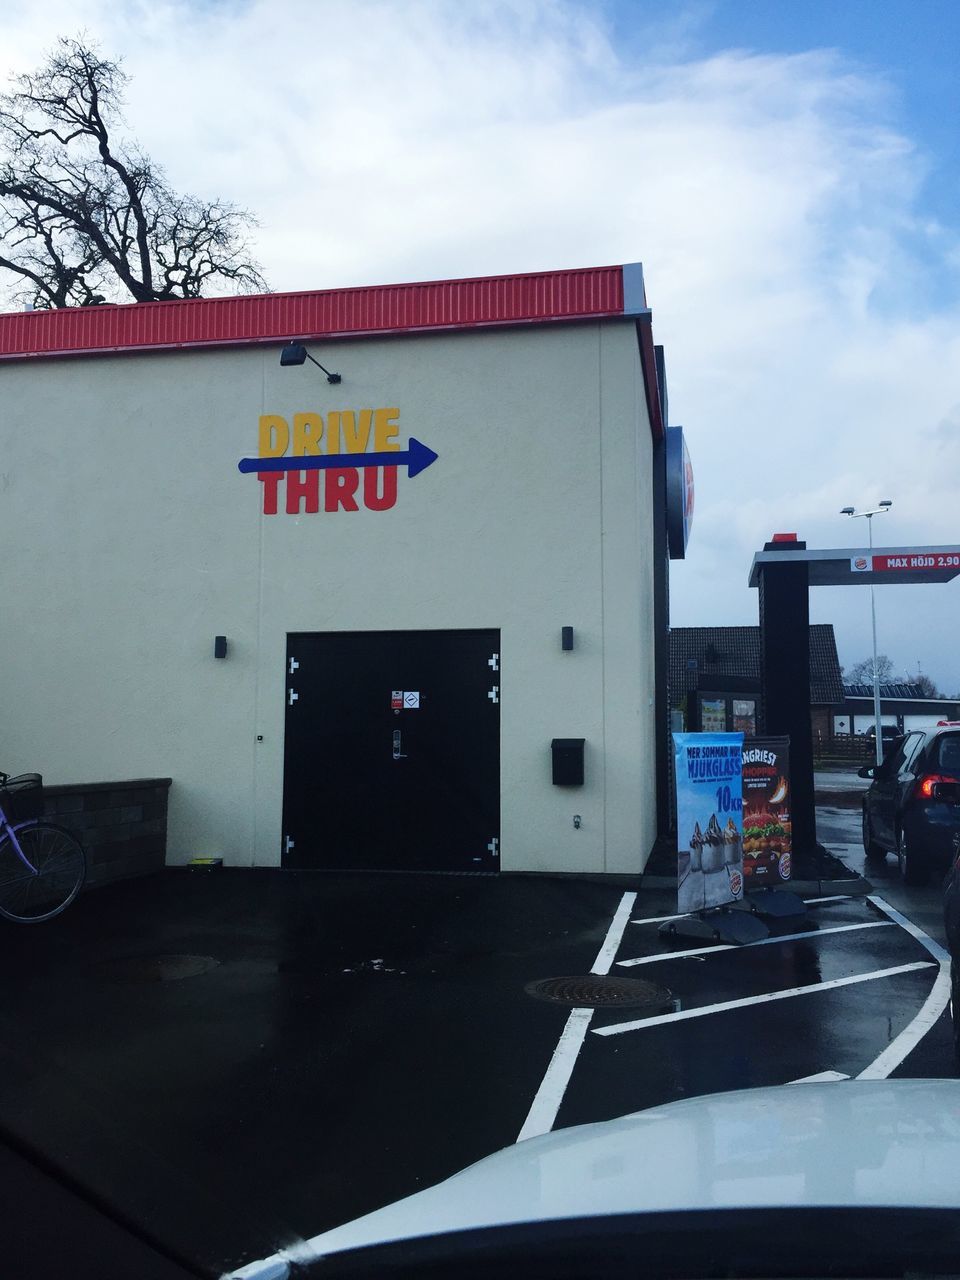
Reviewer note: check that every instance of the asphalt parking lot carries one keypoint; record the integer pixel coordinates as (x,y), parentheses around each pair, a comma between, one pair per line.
(236,1060)
(839,829)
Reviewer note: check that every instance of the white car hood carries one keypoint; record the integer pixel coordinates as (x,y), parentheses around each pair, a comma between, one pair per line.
(853,1143)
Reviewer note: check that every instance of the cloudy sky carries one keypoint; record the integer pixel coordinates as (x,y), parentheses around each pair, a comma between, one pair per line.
(787,173)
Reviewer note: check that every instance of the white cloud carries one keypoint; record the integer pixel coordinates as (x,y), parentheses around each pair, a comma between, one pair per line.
(772,200)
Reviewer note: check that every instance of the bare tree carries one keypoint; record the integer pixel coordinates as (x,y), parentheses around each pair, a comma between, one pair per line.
(86,217)
(926,686)
(862,672)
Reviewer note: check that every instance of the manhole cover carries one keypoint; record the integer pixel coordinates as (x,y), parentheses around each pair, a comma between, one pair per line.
(152,968)
(597,992)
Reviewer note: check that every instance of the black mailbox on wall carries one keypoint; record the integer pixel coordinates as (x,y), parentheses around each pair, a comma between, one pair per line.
(567,762)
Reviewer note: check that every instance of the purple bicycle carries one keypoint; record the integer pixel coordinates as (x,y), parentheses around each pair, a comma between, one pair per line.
(42,865)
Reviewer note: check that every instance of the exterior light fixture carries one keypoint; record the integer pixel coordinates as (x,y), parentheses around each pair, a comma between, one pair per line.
(566,638)
(297,353)
(878,510)
(219,646)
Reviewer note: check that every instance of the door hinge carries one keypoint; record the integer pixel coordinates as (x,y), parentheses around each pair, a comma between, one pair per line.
(288,844)
(492,846)
(494,693)
(493,662)
(294,666)
(292,697)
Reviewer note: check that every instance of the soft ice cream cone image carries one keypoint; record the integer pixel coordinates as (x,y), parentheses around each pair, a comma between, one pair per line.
(731,842)
(697,842)
(713,847)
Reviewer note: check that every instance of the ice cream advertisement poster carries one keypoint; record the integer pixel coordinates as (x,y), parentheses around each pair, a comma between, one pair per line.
(709,778)
(767,825)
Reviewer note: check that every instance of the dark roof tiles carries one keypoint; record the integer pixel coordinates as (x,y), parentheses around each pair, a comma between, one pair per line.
(735,651)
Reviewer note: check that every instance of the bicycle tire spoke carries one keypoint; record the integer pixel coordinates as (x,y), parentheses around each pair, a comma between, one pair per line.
(46,878)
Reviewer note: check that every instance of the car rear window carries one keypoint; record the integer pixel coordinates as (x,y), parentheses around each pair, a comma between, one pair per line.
(948,753)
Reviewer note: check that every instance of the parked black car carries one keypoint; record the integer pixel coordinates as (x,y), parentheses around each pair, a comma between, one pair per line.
(888,733)
(912,806)
(951,919)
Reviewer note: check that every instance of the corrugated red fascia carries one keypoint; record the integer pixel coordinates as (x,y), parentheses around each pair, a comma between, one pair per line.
(332,313)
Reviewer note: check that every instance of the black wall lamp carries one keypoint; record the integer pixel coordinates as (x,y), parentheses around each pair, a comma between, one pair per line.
(219,646)
(566,638)
(296,353)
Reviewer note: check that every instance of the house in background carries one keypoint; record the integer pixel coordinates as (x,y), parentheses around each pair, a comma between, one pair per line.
(902,705)
(715,679)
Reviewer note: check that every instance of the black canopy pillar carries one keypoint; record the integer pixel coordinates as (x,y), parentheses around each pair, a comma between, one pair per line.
(785,664)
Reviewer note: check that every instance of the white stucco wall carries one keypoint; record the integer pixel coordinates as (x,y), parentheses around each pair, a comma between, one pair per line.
(130,540)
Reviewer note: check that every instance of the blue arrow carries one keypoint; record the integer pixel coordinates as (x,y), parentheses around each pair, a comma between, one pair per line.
(416,456)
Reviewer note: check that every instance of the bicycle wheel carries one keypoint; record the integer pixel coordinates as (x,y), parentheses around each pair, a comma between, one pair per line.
(29,894)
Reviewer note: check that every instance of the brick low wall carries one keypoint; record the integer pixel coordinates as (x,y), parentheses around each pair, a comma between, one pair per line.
(121,825)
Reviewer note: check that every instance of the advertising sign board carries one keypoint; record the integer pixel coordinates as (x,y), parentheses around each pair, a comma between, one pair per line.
(680,493)
(944,559)
(708,776)
(767,827)
(713,715)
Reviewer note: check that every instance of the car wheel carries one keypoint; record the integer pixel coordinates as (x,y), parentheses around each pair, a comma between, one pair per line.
(912,869)
(870,846)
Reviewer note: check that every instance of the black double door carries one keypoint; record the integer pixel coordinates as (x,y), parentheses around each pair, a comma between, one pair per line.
(392,751)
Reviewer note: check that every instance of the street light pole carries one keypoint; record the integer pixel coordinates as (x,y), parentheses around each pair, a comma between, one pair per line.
(876,673)
(868,516)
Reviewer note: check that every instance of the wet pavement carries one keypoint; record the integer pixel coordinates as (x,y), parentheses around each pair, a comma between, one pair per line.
(840,830)
(846,780)
(236,1059)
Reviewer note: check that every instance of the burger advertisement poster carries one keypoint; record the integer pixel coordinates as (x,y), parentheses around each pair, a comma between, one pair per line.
(767,841)
(708,772)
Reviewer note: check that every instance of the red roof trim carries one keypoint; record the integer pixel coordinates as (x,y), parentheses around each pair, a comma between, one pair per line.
(537,298)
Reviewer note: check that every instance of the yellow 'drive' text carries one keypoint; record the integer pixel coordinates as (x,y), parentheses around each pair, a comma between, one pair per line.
(339,431)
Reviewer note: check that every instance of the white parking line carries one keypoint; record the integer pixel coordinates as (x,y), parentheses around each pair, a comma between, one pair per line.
(762,942)
(660,1020)
(543,1110)
(661,919)
(833,897)
(614,935)
(932,1008)
(820,1078)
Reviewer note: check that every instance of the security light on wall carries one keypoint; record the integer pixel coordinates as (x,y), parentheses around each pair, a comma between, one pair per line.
(297,353)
